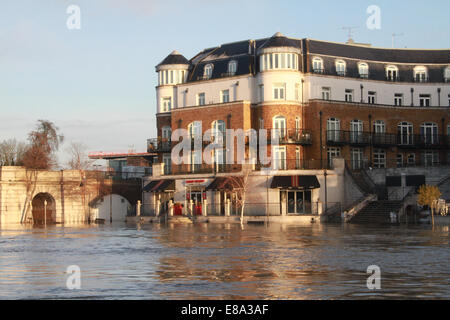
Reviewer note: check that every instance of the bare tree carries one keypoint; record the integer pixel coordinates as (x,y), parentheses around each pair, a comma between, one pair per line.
(12,152)
(240,186)
(78,159)
(44,142)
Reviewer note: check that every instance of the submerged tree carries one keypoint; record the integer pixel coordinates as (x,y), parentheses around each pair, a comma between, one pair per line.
(428,196)
(240,186)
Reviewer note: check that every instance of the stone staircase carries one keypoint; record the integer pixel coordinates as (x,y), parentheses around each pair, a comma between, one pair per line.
(377,212)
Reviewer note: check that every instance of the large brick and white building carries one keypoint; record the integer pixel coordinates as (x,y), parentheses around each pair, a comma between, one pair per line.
(372,107)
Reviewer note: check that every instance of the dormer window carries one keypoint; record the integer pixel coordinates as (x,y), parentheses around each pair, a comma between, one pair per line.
(340,67)
(447,74)
(232,67)
(317,65)
(420,74)
(207,72)
(363,70)
(392,73)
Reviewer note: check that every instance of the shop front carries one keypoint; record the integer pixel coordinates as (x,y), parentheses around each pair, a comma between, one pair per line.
(296,194)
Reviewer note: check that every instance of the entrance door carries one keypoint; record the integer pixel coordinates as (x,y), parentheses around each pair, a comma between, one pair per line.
(196,197)
(299,202)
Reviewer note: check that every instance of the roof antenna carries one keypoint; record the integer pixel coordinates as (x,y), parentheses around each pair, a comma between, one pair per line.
(350,32)
(393,38)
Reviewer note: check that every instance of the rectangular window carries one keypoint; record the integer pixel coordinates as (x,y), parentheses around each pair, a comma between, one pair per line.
(279,158)
(399,160)
(167,163)
(297,92)
(166,104)
(261,93)
(398,99)
(201,99)
(331,154)
(425,100)
(297,158)
(261,123)
(356,158)
(379,158)
(276,55)
(225,96)
(278,92)
(326,93)
(411,160)
(283,60)
(348,95)
(430,158)
(372,97)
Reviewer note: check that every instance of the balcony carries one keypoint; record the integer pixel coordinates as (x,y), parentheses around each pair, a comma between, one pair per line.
(340,137)
(290,136)
(159,145)
(294,164)
(384,140)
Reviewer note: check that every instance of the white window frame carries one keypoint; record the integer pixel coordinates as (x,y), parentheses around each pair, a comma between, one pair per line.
(447,74)
(425,100)
(279,91)
(349,95)
(195,129)
(166,133)
(400,160)
(225,96)
(379,158)
(208,70)
(398,99)
(326,93)
(392,73)
(166,104)
(341,67)
(420,74)
(317,65)
(333,129)
(372,97)
(363,69)
(279,157)
(332,153)
(405,132)
(429,132)
(379,126)
(279,125)
(357,158)
(261,93)
(232,67)
(201,99)
(167,160)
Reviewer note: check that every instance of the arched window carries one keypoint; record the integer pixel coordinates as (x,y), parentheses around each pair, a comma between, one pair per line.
(195,129)
(379,130)
(279,126)
(218,129)
(392,73)
(207,72)
(340,67)
(232,67)
(363,70)
(317,65)
(429,133)
(447,74)
(333,130)
(379,126)
(420,74)
(405,133)
(166,133)
(356,131)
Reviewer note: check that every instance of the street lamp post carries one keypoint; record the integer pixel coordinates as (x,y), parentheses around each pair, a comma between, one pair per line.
(45,213)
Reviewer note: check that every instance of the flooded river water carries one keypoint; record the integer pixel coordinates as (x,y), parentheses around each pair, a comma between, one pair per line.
(213,261)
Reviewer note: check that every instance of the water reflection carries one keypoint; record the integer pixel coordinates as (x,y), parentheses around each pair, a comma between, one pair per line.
(210,261)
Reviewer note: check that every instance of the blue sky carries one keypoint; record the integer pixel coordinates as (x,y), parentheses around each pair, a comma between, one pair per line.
(98,83)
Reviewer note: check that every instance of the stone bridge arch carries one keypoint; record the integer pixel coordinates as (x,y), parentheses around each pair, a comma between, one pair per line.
(43,208)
